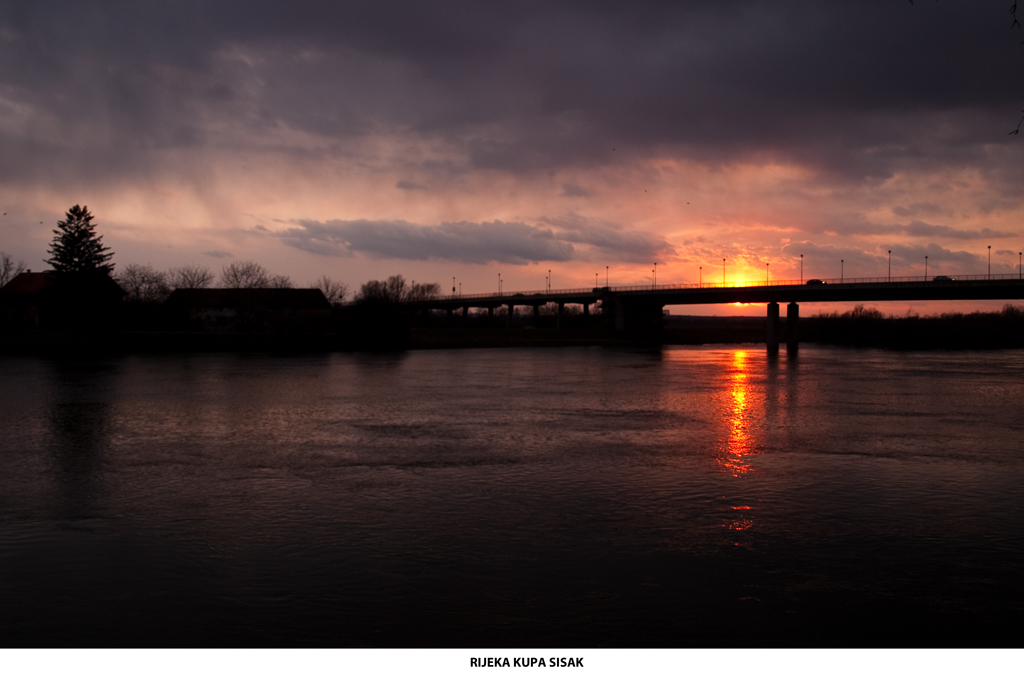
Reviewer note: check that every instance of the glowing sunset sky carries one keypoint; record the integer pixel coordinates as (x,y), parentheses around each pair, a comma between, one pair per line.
(466,139)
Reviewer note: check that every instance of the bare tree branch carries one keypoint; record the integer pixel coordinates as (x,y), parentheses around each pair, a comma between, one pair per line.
(334,291)
(9,269)
(189,276)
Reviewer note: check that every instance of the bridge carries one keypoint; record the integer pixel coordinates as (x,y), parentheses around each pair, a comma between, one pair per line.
(639,309)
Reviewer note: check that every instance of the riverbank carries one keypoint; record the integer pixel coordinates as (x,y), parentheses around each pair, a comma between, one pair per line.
(860,328)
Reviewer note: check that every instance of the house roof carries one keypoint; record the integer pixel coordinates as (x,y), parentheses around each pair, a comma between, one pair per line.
(269,298)
(33,286)
(28,283)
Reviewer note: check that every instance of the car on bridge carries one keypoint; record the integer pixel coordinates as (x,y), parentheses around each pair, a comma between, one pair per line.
(815,282)
(943,277)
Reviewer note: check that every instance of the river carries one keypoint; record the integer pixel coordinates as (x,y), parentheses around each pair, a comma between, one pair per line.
(589,497)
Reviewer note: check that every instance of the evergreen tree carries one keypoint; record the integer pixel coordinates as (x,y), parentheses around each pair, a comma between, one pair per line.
(76,247)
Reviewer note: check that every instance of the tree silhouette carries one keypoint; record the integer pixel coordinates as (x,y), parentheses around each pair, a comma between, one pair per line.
(189,276)
(334,291)
(9,269)
(76,247)
(142,283)
(245,274)
(395,290)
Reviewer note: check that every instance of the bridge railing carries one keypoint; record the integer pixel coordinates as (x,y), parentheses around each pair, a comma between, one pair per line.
(740,284)
(515,294)
(525,297)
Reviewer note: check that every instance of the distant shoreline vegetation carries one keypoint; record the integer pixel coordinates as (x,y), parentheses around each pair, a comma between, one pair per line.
(869,327)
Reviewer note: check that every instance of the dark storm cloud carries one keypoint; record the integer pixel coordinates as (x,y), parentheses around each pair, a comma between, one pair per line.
(918,209)
(409,185)
(962,262)
(572,190)
(860,89)
(825,260)
(475,243)
(917,228)
(515,243)
(627,245)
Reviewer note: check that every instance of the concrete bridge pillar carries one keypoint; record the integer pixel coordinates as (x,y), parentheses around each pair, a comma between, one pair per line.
(773,327)
(586,309)
(792,326)
(511,314)
(465,314)
(608,313)
(449,313)
(561,309)
(536,315)
(490,314)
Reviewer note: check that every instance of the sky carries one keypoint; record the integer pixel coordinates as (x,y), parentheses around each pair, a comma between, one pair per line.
(465,139)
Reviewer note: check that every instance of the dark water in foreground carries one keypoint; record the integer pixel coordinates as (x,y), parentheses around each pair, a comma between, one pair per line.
(571,497)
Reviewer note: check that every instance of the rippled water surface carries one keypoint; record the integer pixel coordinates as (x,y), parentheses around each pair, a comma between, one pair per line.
(574,497)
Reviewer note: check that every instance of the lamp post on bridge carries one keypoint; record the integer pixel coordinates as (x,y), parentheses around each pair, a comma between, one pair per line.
(767,277)
(723,272)
(606,276)
(499,284)
(990,263)
(801,268)
(926,268)
(841,261)
(1020,259)
(453,286)
(700,276)
(889,278)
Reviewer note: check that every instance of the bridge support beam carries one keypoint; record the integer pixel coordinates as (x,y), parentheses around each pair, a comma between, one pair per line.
(510,316)
(773,328)
(490,314)
(586,309)
(449,313)
(561,309)
(536,315)
(465,315)
(792,327)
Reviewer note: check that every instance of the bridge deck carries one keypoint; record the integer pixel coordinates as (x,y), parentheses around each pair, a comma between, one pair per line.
(976,287)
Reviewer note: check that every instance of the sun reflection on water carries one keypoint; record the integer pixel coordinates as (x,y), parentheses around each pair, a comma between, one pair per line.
(739,444)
